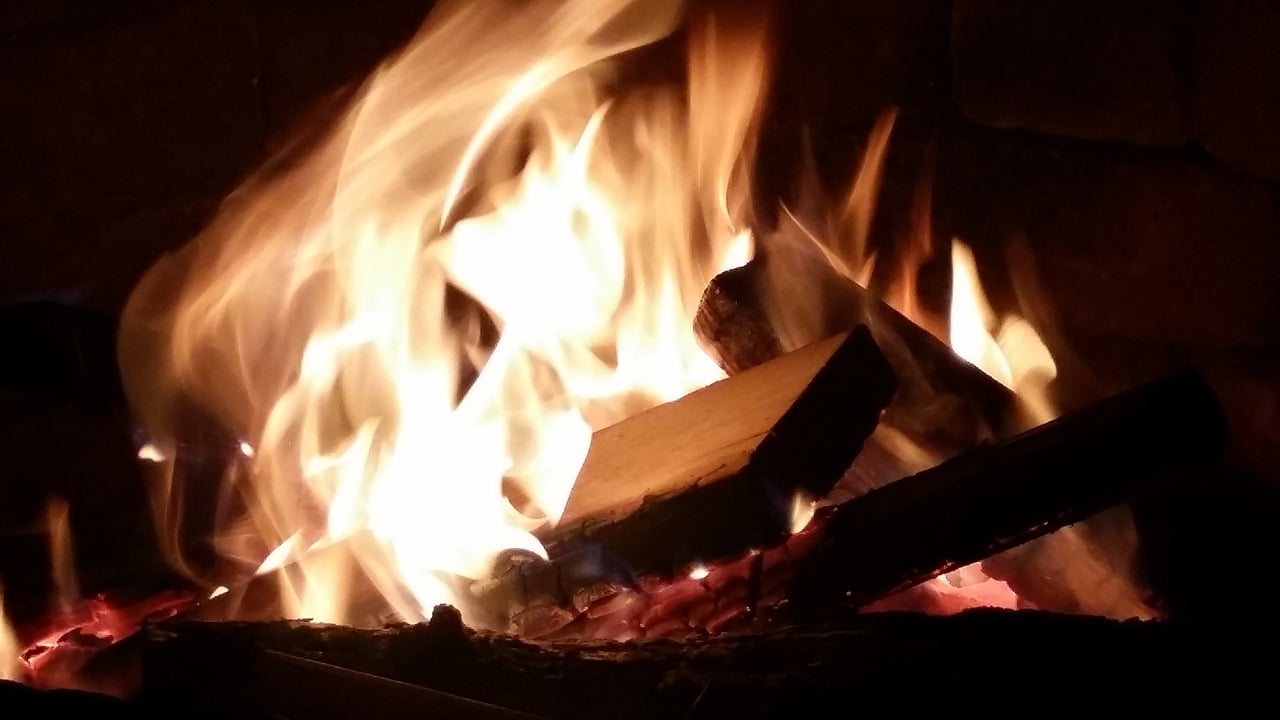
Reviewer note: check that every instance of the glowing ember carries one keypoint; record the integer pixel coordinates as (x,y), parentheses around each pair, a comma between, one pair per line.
(56,653)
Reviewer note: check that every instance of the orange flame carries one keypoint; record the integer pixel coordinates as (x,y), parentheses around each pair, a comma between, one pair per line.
(10,651)
(416,330)
(1009,350)
(61,554)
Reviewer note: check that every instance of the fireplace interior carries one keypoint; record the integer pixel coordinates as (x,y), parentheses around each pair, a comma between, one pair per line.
(1102,534)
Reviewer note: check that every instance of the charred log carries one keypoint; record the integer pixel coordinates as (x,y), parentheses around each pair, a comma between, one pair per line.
(863,664)
(997,497)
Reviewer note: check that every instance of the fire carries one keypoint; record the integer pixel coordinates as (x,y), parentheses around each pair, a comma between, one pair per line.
(414,330)
(10,650)
(52,652)
(1009,350)
(1012,352)
(410,333)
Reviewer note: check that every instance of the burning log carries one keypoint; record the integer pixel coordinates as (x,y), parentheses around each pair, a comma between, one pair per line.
(651,496)
(653,490)
(735,330)
(868,663)
(994,498)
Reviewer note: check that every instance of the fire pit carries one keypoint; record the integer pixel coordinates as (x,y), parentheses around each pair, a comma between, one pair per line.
(546,376)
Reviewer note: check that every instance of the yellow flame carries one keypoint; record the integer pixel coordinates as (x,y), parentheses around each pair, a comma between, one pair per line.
(417,328)
(1009,350)
(10,651)
(61,554)
(803,508)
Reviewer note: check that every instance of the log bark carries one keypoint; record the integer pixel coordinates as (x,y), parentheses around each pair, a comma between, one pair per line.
(714,473)
(853,665)
(997,497)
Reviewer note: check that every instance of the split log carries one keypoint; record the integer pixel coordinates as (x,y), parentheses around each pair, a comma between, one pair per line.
(994,498)
(869,663)
(714,473)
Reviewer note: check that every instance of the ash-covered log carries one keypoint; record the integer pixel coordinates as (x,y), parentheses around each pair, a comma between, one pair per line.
(997,497)
(850,665)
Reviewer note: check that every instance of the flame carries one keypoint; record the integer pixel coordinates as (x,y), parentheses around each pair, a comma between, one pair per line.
(1069,570)
(10,650)
(803,508)
(61,553)
(417,327)
(1009,350)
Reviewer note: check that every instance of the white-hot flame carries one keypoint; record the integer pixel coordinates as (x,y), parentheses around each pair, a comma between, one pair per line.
(417,328)
(1009,350)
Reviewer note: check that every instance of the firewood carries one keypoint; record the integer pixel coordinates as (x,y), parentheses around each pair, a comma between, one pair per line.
(734,327)
(848,665)
(706,477)
(714,473)
(996,497)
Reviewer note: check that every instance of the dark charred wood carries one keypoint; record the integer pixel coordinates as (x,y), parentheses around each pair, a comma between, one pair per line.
(943,402)
(868,663)
(807,450)
(997,497)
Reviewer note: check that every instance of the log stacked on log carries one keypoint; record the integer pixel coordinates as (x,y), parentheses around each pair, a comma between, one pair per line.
(870,663)
(708,477)
(962,511)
